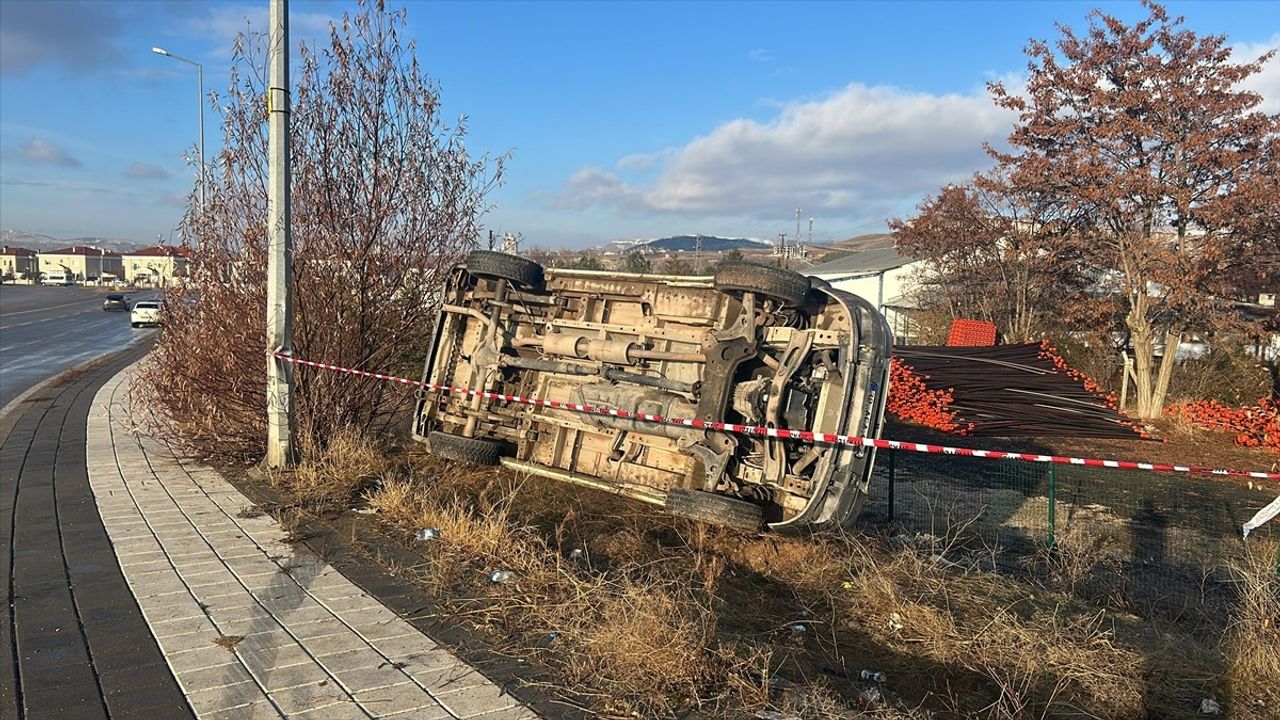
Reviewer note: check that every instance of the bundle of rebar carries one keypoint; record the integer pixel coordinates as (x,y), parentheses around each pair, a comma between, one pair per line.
(1024,390)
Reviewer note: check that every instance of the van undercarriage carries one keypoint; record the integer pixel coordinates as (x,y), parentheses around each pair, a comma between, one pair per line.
(753,345)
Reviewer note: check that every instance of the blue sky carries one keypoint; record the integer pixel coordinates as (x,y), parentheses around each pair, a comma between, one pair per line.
(623,119)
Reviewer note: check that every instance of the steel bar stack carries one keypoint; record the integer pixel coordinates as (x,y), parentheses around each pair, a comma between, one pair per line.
(1016,391)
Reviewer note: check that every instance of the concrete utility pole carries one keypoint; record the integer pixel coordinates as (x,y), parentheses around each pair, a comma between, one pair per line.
(279,245)
(799,243)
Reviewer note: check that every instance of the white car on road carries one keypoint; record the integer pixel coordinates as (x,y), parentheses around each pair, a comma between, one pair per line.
(146,312)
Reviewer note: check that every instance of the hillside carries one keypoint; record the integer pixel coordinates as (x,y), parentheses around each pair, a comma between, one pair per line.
(710,243)
(38,242)
(859,243)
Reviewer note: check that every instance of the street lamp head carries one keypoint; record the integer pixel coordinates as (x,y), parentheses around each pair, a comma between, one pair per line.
(159,51)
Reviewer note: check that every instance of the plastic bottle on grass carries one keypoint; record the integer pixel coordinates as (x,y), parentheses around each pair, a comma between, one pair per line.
(501,576)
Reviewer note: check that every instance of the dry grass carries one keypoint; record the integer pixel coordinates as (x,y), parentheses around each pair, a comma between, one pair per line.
(639,641)
(1037,652)
(1251,644)
(659,617)
(330,478)
(643,628)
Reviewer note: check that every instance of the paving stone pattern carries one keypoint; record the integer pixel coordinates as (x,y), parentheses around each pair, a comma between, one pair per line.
(73,643)
(250,625)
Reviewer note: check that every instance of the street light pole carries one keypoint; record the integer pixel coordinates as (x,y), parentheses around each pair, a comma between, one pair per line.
(200,105)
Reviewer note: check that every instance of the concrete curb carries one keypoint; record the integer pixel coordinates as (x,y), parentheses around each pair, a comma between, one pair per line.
(12,407)
(22,397)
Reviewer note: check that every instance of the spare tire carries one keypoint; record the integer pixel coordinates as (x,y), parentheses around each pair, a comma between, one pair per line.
(521,272)
(715,509)
(477,451)
(788,287)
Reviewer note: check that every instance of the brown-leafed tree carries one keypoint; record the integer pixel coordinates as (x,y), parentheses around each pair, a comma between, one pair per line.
(992,253)
(1144,129)
(386,199)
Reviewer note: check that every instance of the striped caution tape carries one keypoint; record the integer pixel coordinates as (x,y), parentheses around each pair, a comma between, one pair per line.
(783,433)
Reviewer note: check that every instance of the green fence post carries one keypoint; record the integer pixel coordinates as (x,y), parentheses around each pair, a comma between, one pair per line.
(891,483)
(1053,482)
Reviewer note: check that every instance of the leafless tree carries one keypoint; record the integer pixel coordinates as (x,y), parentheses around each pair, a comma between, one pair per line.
(386,199)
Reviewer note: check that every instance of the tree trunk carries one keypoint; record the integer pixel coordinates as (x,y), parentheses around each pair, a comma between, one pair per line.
(1172,340)
(1144,352)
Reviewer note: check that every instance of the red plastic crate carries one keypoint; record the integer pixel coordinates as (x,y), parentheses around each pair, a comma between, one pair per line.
(971,333)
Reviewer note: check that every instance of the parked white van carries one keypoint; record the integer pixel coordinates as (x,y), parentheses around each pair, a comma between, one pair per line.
(58,279)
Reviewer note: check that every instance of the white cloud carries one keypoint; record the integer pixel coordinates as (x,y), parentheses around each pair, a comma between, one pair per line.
(79,36)
(224,21)
(638,161)
(1267,82)
(761,55)
(593,186)
(39,151)
(861,147)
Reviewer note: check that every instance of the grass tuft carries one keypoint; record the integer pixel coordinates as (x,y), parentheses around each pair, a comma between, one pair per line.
(1251,644)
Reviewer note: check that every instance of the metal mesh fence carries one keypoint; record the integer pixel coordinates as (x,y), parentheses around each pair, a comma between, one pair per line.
(1143,541)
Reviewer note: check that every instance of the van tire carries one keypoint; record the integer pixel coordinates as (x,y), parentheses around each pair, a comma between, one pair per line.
(521,272)
(476,451)
(790,288)
(715,509)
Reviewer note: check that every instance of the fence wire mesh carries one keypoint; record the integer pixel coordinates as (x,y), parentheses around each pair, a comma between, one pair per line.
(1142,541)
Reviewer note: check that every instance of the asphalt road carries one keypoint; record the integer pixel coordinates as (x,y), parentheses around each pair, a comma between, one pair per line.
(45,330)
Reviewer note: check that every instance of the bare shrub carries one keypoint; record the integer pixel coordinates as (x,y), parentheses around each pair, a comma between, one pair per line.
(1226,375)
(1093,353)
(385,199)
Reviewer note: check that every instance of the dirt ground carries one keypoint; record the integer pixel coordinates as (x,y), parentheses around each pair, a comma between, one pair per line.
(1177,443)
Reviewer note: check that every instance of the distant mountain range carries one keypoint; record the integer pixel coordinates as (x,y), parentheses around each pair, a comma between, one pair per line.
(689,243)
(36,241)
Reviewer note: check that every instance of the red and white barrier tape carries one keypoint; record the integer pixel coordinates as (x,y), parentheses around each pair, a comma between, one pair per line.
(784,434)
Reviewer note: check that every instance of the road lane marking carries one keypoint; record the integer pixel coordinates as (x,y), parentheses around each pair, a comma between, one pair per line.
(51,307)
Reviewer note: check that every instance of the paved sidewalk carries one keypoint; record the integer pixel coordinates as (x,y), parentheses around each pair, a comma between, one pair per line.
(251,626)
(73,643)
